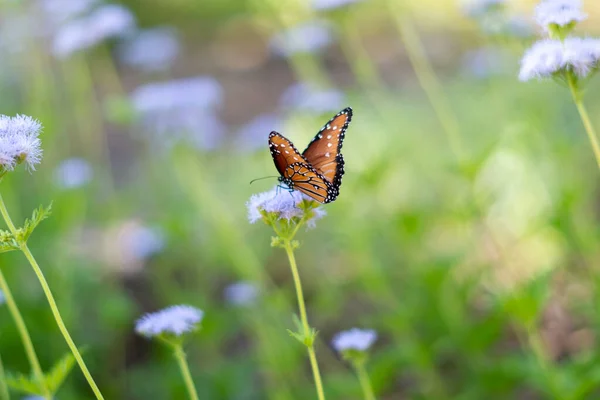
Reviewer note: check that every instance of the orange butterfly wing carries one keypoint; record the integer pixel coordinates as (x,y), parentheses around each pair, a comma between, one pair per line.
(296,172)
(324,151)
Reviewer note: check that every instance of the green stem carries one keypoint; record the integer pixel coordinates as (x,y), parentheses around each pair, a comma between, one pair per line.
(4,395)
(25,338)
(51,302)
(589,128)
(287,244)
(365,382)
(185,371)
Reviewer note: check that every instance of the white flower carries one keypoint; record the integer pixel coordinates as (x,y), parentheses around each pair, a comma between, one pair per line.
(73,173)
(83,33)
(175,320)
(354,339)
(241,293)
(309,98)
(304,38)
(19,141)
(547,57)
(198,92)
(182,109)
(558,12)
(283,202)
(151,50)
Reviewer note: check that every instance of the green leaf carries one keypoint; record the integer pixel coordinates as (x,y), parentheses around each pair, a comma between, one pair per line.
(59,372)
(24,384)
(52,379)
(39,214)
(7,242)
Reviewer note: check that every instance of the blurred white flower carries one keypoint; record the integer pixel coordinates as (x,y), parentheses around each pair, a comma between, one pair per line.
(486,62)
(241,293)
(309,98)
(151,50)
(103,23)
(181,110)
(331,4)
(284,203)
(253,135)
(308,37)
(559,12)
(73,173)
(60,11)
(19,141)
(548,57)
(354,339)
(197,92)
(174,320)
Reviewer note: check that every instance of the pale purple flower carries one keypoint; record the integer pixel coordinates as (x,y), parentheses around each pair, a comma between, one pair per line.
(331,4)
(73,173)
(311,98)
(19,141)
(559,12)
(199,92)
(151,50)
(486,62)
(241,293)
(181,110)
(106,22)
(354,339)
(174,320)
(548,57)
(308,37)
(60,11)
(283,202)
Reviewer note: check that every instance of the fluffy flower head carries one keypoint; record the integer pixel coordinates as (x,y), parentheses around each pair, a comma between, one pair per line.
(354,339)
(19,141)
(558,13)
(284,203)
(174,320)
(548,57)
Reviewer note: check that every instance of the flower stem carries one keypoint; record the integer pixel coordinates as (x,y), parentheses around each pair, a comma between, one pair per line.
(25,338)
(589,128)
(51,302)
(4,395)
(287,244)
(365,382)
(185,371)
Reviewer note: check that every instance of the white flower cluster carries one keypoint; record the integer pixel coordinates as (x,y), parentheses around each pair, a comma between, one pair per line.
(174,320)
(354,339)
(283,202)
(19,141)
(557,57)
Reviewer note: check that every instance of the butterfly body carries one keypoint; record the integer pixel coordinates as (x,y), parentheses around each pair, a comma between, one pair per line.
(318,171)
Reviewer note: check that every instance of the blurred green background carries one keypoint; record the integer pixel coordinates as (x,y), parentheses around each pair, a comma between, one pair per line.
(466,232)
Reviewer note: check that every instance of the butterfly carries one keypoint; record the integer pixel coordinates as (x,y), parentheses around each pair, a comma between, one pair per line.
(318,171)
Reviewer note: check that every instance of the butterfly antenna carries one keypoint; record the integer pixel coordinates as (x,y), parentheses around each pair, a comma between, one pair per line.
(264,177)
